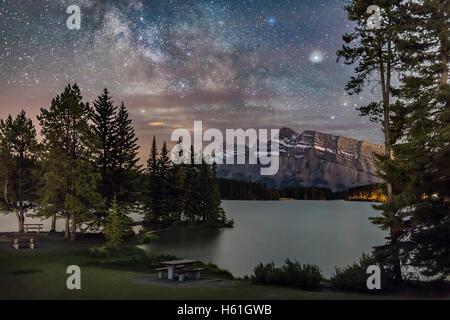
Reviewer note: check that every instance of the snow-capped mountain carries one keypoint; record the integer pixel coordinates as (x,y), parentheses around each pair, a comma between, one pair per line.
(315,159)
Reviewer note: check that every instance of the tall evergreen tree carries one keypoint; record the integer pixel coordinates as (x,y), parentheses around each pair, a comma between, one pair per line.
(165,186)
(191,187)
(126,158)
(204,204)
(69,184)
(103,118)
(215,202)
(152,199)
(152,162)
(177,182)
(424,150)
(177,194)
(374,51)
(18,148)
(117,154)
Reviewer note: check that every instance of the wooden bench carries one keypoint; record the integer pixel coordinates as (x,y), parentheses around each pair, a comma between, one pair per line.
(162,270)
(36,227)
(18,242)
(182,272)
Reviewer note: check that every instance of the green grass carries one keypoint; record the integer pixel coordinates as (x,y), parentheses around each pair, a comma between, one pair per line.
(26,274)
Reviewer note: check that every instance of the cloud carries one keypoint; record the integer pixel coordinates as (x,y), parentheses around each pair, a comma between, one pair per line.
(193,98)
(164,124)
(157,124)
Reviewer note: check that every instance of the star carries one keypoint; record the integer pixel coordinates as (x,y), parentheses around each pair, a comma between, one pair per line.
(316,56)
(248,64)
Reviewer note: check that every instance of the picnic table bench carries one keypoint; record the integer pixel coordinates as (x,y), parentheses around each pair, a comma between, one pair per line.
(182,272)
(36,227)
(18,242)
(180,268)
(163,270)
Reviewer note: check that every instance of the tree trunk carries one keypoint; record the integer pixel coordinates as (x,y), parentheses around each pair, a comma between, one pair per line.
(444,78)
(386,92)
(53,226)
(66,228)
(395,252)
(21,220)
(73,232)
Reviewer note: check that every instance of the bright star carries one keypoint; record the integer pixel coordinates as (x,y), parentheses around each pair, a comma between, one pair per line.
(271,21)
(316,56)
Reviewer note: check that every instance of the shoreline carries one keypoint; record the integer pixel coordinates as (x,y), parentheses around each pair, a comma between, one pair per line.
(46,268)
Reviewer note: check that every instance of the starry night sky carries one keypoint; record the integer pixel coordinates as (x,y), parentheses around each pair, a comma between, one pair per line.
(232,64)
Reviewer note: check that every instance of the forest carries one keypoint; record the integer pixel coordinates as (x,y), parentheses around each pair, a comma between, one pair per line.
(403,59)
(85,170)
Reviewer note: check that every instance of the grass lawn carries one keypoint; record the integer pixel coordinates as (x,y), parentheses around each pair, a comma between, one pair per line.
(41,274)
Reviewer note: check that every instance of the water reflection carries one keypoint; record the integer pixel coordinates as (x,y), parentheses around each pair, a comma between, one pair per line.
(327,233)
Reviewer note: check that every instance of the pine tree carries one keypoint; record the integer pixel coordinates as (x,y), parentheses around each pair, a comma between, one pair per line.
(164,162)
(205,205)
(118,149)
(152,199)
(118,225)
(177,181)
(164,180)
(177,195)
(377,58)
(424,150)
(191,187)
(152,162)
(18,159)
(217,212)
(69,184)
(103,117)
(125,155)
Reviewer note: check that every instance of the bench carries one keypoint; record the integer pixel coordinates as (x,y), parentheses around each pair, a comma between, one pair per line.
(165,269)
(182,272)
(36,227)
(18,242)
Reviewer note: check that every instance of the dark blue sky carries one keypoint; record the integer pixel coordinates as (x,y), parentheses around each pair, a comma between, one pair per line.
(249,64)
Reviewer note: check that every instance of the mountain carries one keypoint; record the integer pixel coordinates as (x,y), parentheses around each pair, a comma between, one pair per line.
(314,159)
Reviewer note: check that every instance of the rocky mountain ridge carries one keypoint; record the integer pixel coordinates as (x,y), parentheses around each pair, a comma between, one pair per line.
(315,159)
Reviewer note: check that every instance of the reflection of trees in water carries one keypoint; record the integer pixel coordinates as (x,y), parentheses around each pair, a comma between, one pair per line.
(189,242)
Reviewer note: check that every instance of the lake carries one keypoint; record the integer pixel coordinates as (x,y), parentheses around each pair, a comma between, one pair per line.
(326,233)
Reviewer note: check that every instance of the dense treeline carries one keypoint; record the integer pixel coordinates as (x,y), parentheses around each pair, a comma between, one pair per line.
(85,171)
(231,189)
(373,192)
(411,43)
(305,193)
(183,193)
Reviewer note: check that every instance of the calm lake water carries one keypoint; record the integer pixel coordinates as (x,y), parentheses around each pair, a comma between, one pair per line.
(326,233)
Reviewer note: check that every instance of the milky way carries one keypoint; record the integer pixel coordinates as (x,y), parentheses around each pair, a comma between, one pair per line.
(247,63)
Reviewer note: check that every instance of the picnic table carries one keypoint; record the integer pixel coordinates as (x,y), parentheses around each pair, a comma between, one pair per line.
(180,268)
(19,241)
(37,227)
